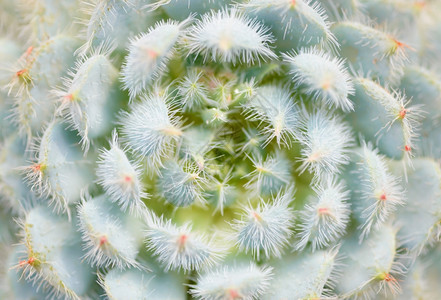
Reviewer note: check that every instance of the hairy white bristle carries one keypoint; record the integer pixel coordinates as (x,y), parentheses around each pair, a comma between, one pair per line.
(266,228)
(325,217)
(275,107)
(325,141)
(121,178)
(149,54)
(232,282)
(152,127)
(229,36)
(321,77)
(181,248)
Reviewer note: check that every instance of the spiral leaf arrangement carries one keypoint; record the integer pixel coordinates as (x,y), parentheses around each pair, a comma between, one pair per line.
(220,149)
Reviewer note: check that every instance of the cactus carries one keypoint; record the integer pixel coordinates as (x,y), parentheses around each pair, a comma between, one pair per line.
(220,149)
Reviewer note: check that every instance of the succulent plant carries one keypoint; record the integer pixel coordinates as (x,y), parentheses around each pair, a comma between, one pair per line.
(220,149)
